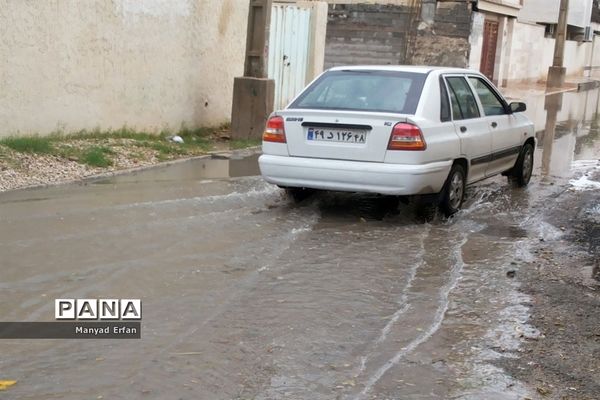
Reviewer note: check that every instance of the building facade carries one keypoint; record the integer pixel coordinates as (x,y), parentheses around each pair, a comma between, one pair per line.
(498,37)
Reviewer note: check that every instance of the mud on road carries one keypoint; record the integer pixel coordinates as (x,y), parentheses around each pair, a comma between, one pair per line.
(563,282)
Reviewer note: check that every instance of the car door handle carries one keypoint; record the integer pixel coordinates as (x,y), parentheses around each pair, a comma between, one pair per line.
(463,129)
(494,124)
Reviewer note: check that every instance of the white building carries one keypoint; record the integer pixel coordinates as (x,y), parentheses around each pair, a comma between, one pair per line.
(546,12)
(517,39)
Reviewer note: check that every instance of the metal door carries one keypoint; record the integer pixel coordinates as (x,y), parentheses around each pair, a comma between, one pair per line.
(488,52)
(289,41)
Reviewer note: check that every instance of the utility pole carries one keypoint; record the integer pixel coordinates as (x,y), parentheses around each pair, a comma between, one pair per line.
(557,72)
(253,94)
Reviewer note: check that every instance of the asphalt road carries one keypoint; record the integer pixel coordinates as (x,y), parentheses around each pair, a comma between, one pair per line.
(247,295)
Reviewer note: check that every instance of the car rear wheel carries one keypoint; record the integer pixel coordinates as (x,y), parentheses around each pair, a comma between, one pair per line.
(453,193)
(299,194)
(522,171)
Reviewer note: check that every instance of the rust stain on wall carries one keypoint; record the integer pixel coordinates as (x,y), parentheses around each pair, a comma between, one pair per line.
(226,11)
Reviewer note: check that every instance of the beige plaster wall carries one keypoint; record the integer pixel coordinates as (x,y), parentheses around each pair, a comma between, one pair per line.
(531,54)
(578,55)
(148,64)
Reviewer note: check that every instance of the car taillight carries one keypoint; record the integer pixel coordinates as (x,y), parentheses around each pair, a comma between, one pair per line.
(406,137)
(275,131)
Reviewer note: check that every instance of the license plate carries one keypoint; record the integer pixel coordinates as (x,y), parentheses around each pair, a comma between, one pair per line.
(337,135)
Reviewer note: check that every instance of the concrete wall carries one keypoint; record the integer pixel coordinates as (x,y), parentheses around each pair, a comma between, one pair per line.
(577,57)
(476,40)
(595,64)
(530,44)
(546,11)
(70,64)
(514,3)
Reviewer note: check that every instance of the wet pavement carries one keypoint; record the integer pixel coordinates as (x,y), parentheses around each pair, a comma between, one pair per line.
(247,295)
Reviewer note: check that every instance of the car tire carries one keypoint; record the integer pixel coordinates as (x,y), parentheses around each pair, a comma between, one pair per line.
(521,173)
(453,193)
(299,194)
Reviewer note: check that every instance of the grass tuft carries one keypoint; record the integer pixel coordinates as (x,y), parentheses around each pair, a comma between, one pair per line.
(98,148)
(122,133)
(29,144)
(97,156)
(244,143)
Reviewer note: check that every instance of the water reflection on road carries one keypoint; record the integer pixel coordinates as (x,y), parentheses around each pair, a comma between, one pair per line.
(249,296)
(566,129)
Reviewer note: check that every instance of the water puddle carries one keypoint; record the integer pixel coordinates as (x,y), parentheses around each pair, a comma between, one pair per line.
(505,231)
(192,170)
(567,130)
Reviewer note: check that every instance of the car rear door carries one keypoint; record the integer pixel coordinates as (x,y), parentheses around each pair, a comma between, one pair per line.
(506,137)
(471,128)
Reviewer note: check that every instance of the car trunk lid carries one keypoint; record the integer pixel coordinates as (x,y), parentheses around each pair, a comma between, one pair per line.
(342,135)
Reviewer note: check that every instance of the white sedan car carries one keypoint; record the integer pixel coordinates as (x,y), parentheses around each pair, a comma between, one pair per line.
(398,130)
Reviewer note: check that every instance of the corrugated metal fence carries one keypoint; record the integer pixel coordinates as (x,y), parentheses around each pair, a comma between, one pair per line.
(289,42)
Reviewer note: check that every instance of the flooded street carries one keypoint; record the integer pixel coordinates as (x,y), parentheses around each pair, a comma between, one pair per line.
(248,295)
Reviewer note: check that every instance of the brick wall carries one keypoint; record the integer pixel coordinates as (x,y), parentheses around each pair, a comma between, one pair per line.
(366,34)
(381,34)
(446,41)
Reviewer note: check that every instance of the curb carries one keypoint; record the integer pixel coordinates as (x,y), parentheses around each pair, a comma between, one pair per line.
(216,155)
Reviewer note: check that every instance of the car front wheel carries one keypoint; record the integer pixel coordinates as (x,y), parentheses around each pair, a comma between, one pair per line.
(522,171)
(453,193)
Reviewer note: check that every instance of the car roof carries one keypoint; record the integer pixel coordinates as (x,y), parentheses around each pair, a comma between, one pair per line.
(404,68)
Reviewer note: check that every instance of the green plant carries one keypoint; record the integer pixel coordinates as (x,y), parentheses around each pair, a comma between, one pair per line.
(122,133)
(244,143)
(167,149)
(29,144)
(95,147)
(97,156)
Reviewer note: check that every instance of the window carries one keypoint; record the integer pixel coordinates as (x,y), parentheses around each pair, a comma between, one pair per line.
(463,101)
(444,105)
(550,31)
(364,90)
(492,105)
(456,112)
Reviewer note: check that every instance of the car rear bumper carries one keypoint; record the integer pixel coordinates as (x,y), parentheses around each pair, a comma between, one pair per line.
(354,176)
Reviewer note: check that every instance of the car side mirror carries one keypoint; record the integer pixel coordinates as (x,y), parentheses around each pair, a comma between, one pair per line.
(516,107)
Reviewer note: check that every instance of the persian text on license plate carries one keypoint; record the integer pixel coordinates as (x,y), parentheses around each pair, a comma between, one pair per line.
(337,135)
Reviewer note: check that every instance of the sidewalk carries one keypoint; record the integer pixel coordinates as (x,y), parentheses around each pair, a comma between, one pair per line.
(528,90)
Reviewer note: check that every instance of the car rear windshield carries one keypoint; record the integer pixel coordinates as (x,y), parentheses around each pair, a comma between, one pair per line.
(364,90)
